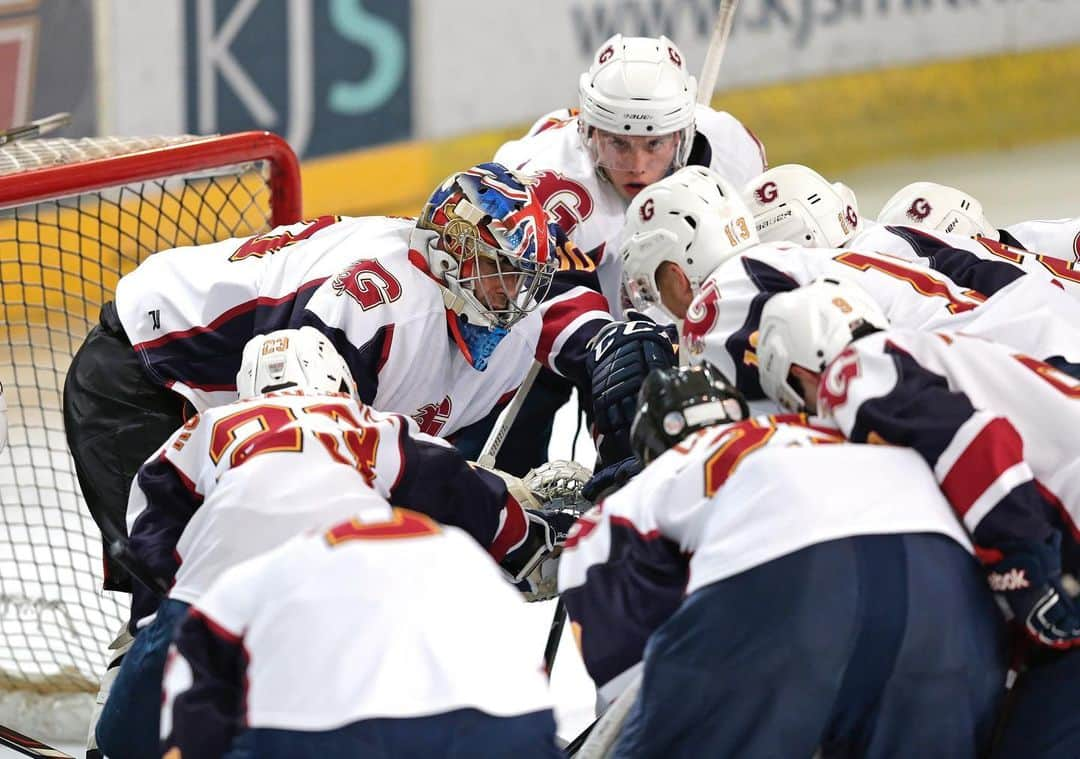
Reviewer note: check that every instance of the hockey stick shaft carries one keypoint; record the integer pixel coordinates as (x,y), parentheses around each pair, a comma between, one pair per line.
(35,128)
(604,733)
(710,70)
(29,746)
(558,622)
(506,420)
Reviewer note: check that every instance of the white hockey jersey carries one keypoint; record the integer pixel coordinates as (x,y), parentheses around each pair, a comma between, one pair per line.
(368,619)
(189,311)
(725,500)
(722,322)
(1056,238)
(587,208)
(973,262)
(1000,429)
(387,318)
(242,478)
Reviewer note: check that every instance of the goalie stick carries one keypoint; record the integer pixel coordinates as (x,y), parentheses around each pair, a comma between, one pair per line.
(35,128)
(28,746)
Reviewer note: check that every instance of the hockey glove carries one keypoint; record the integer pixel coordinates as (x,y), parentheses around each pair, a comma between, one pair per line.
(619,358)
(1028,578)
(610,478)
(555,488)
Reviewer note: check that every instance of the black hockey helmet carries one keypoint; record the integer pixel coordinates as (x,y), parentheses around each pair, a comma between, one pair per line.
(675,402)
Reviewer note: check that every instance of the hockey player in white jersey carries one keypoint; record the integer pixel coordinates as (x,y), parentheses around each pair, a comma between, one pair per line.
(419,310)
(941,208)
(691,248)
(944,230)
(637,120)
(351,642)
(778,620)
(999,430)
(296,452)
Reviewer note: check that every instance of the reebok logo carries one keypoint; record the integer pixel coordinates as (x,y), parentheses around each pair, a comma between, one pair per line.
(1014,579)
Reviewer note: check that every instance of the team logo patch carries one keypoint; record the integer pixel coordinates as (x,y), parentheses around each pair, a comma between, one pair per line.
(648,208)
(851,216)
(432,417)
(920,208)
(767,193)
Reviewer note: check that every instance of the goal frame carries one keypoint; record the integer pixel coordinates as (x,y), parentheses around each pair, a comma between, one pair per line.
(51,182)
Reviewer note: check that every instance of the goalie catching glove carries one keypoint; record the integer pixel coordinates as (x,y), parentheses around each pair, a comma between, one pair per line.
(551,496)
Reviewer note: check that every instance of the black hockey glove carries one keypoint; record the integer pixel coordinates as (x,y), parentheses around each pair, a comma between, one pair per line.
(619,358)
(1028,577)
(610,478)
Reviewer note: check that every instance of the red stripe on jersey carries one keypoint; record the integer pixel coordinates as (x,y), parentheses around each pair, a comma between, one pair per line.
(760,147)
(216,628)
(996,448)
(1066,517)
(232,313)
(513,531)
(629,524)
(505,397)
(559,315)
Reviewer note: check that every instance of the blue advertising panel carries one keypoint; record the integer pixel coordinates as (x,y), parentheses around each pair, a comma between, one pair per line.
(330,76)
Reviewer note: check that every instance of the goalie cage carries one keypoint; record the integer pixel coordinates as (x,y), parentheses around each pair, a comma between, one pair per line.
(75,215)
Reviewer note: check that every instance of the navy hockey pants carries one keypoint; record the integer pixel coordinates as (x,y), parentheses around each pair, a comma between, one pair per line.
(1044,721)
(461,734)
(128,727)
(868,646)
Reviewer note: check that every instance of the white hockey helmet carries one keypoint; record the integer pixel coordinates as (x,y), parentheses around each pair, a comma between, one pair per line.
(793,203)
(693,218)
(638,86)
(809,327)
(292,358)
(939,208)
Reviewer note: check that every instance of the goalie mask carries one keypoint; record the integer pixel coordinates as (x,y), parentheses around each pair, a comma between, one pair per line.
(293,358)
(490,244)
(938,208)
(807,328)
(637,106)
(674,403)
(795,204)
(693,218)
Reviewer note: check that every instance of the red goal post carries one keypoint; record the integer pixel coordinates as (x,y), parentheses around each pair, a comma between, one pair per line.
(75,216)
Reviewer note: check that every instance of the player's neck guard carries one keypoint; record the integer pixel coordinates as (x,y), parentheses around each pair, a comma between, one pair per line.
(476,343)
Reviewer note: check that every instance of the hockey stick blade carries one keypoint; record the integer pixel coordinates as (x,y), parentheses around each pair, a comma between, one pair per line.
(29,746)
(710,70)
(35,128)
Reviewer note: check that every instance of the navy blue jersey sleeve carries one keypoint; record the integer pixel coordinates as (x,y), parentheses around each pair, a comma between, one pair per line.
(976,456)
(625,598)
(437,481)
(209,713)
(171,500)
(961,266)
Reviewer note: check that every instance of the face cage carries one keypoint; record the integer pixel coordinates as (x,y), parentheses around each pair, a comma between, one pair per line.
(522,296)
(678,158)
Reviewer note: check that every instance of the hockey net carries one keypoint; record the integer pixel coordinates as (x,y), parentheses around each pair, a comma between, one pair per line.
(75,215)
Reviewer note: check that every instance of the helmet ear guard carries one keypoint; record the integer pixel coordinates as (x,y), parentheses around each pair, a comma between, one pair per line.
(806,329)
(674,403)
